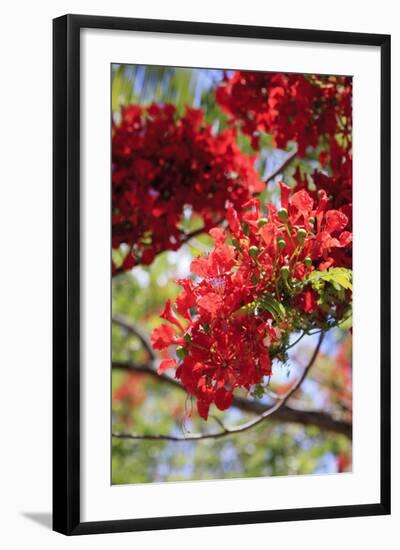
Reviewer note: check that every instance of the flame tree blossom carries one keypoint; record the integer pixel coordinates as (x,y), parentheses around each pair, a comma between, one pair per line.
(310,110)
(340,192)
(162,163)
(272,272)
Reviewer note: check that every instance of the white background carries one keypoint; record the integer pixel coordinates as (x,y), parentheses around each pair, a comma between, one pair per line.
(26,274)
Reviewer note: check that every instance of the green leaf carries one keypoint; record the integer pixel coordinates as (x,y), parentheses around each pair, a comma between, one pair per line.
(181,353)
(335,276)
(347,323)
(258,391)
(271,304)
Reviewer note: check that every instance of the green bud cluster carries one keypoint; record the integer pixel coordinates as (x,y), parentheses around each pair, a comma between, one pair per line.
(254,251)
(281,243)
(285,271)
(262,221)
(283,214)
(301,235)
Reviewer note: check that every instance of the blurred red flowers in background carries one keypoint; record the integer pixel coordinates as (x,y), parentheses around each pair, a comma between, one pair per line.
(162,164)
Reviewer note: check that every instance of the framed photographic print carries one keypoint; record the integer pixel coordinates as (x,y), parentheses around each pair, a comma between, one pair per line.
(215,360)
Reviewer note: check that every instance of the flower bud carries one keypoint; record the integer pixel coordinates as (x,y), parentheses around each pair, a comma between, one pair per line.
(254,251)
(308,261)
(285,272)
(311,220)
(281,243)
(181,353)
(262,221)
(301,235)
(283,214)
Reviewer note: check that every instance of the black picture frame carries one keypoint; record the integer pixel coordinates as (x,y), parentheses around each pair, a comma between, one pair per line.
(66,273)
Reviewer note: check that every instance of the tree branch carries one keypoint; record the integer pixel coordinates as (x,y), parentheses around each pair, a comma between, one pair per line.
(186,237)
(278,412)
(305,417)
(284,164)
(135,331)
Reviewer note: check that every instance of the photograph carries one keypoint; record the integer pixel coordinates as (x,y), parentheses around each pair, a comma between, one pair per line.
(231,220)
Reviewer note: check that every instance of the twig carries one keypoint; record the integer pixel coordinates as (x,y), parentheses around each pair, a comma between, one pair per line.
(284,164)
(135,331)
(186,237)
(243,427)
(305,417)
(295,342)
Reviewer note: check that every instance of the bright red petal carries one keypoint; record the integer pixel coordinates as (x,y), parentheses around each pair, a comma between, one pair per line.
(335,221)
(162,337)
(166,365)
(200,266)
(265,364)
(203,407)
(303,202)
(169,315)
(223,399)
(218,234)
(211,302)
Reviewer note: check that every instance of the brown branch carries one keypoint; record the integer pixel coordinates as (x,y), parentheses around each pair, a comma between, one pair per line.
(187,236)
(149,369)
(118,271)
(284,164)
(305,417)
(279,411)
(135,331)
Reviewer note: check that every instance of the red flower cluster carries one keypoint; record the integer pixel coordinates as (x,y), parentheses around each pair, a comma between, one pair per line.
(338,190)
(252,291)
(292,107)
(309,109)
(161,164)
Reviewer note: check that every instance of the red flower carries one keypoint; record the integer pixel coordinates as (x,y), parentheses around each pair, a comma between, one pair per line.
(335,221)
(162,337)
(157,156)
(307,109)
(304,204)
(307,301)
(167,364)
(234,323)
(169,315)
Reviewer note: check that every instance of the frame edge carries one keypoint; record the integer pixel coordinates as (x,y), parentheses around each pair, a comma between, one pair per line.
(66,278)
